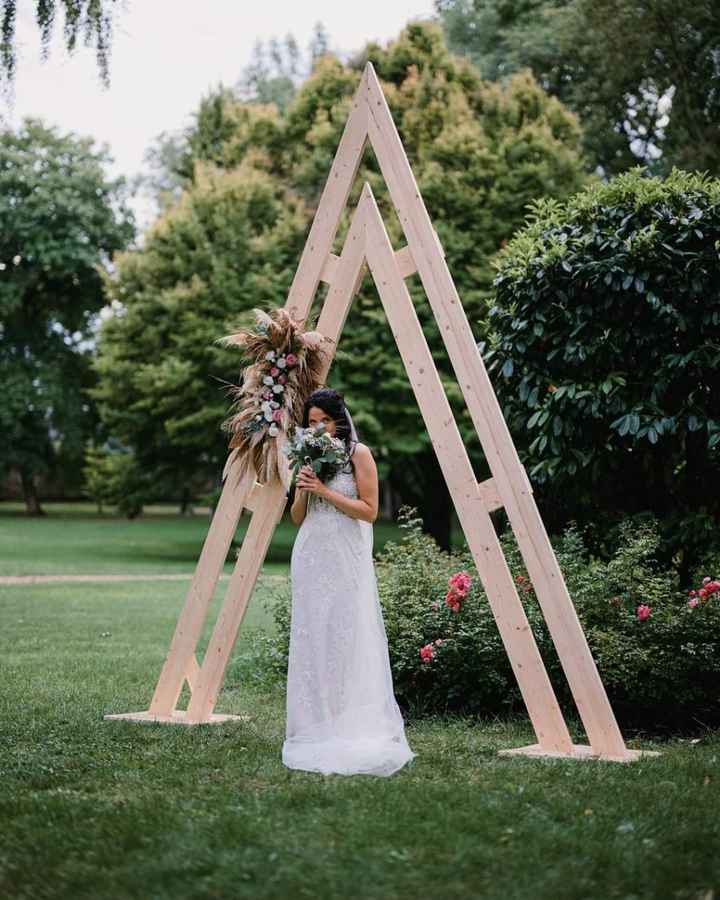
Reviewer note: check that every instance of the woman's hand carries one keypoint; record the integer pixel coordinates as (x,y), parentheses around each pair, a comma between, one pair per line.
(307,480)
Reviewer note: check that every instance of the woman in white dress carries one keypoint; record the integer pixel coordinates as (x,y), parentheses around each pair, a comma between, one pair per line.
(342,715)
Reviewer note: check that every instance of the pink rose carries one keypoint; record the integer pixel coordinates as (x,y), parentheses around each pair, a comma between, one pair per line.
(277,415)
(453,600)
(707,579)
(460,582)
(274,371)
(427,653)
(438,642)
(643,612)
(693,602)
(702,593)
(291,359)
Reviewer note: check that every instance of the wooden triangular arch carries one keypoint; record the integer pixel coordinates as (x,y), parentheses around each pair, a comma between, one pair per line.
(367,243)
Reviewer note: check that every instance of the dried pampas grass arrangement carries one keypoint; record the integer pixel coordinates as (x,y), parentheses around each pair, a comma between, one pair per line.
(285,366)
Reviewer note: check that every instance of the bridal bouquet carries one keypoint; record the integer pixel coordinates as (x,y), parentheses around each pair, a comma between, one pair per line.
(316,448)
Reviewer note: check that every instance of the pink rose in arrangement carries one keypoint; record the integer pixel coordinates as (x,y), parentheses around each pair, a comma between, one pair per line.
(427,653)
(277,415)
(282,379)
(693,602)
(291,359)
(274,371)
(643,612)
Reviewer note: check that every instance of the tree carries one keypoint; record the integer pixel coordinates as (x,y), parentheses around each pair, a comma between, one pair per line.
(641,76)
(603,345)
(229,244)
(480,152)
(93,19)
(60,222)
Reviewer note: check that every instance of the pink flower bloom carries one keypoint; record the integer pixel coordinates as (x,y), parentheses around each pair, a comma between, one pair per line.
(274,371)
(692,593)
(438,642)
(707,579)
(291,359)
(460,582)
(277,415)
(702,593)
(427,652)
(453,601)
(282,379)
(643,612)
(693,602)
(267,395)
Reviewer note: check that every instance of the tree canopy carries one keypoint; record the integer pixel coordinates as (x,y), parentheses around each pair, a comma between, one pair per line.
(642,76)
(480,152)
(603,342)
(61,220)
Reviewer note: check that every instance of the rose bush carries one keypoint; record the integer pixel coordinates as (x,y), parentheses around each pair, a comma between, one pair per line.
(657,651)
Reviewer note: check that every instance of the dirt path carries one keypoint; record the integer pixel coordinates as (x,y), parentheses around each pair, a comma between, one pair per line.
(56,579)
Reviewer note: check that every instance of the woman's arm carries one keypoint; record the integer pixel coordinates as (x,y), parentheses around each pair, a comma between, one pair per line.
(298,510)
(366,506)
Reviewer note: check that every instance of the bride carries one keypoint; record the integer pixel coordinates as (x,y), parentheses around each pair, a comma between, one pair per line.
(342,715)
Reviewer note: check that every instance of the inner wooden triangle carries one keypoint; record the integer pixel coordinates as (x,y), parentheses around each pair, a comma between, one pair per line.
(367,244)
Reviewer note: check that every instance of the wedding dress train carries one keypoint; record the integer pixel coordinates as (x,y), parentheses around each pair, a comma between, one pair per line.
(342,716)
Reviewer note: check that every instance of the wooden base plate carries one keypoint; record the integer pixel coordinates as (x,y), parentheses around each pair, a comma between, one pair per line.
(178,717)
(579,751)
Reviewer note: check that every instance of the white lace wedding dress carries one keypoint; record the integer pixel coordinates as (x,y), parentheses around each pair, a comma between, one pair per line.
(342,716)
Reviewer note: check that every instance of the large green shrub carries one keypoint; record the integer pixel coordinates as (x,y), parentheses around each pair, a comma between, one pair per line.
(661,672)
(605,353)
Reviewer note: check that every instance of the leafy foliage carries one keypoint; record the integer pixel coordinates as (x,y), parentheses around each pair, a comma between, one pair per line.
(641,76)
(60,222)
(230,244)
(93,19)
(480,153)
(603,341)
(660,673)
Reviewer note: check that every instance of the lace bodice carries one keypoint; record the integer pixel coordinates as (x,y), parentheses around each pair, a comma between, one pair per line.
(344,483)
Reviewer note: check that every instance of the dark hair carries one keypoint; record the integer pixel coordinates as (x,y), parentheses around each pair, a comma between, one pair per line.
(331,402)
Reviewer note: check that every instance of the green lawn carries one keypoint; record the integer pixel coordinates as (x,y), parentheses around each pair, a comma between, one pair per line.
(110,809)
(75,539)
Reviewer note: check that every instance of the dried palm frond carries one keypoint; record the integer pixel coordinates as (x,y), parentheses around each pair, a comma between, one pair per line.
(255,439)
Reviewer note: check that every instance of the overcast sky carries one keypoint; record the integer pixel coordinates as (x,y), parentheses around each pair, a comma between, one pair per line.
(167,54)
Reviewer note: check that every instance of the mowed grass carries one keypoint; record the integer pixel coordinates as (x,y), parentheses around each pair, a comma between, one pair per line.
(112,809)
(75,539)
